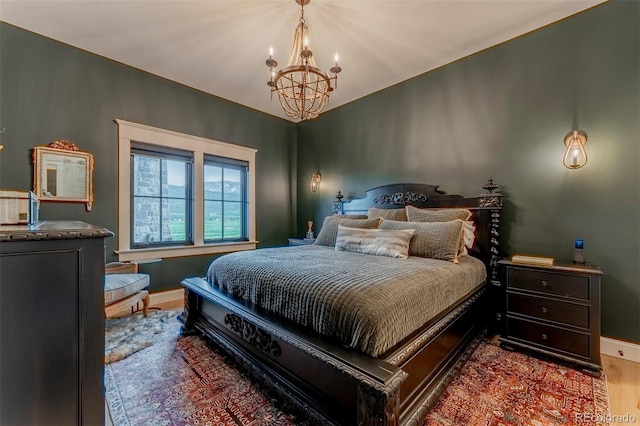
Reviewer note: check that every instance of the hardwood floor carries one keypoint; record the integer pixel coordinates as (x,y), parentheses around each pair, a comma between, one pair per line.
(623,380)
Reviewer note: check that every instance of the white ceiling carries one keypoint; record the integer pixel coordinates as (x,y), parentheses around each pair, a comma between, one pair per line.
(219,46)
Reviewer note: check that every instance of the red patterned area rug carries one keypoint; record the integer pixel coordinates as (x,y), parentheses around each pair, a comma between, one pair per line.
(183,381)
(498,387)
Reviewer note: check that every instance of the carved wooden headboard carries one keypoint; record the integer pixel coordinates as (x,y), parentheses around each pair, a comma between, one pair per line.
(485,208)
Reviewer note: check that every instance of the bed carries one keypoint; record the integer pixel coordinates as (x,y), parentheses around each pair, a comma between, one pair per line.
(386,359)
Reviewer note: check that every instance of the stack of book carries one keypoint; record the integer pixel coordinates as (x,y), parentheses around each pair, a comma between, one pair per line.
(532,260)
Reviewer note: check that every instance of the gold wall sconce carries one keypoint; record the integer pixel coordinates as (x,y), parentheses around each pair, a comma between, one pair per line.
(315,181)
(575,156)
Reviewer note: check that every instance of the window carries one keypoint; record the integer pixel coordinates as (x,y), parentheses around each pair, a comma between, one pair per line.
(225,203)
(181,195)
(160,196)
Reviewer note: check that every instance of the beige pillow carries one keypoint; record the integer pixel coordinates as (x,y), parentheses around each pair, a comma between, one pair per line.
(329,230)
(391,214)
(436,240)
(379,242)
(415,214)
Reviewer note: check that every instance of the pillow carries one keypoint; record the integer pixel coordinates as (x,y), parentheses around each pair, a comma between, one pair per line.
(329,230)
(436,240)
(380,242)
(391,214)
(415,214)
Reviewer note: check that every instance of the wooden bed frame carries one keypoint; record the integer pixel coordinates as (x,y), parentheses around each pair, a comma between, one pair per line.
(332,384)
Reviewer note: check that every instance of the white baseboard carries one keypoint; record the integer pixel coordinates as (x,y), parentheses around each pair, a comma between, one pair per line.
(166,296)
(620,349)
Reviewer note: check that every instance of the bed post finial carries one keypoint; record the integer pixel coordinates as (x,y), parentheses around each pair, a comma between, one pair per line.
(492,201)
(337,205)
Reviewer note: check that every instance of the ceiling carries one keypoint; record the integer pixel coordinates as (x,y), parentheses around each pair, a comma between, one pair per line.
(220,46)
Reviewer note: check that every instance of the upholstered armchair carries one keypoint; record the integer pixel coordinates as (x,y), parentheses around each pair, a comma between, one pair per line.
(125,288)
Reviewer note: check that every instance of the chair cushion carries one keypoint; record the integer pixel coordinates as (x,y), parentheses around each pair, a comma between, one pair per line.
(119,286)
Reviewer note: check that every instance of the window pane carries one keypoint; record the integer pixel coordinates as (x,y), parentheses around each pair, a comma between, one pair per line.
(177,223)
(212,220)
(232,185)
(232,220)
(175,172)
(146,220)
(212,182)
(146,175)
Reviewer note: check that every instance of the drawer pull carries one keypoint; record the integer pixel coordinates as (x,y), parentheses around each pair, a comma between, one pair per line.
(544,283)
(544,336)
(544,310)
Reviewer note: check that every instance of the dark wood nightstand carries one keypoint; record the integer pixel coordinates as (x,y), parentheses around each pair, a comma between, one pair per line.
(301,241)
(553,310)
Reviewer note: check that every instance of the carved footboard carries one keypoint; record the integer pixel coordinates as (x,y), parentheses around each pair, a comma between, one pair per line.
(328,383)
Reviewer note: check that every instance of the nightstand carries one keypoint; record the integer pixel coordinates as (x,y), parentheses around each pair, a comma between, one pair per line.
(553,310)
(301,241)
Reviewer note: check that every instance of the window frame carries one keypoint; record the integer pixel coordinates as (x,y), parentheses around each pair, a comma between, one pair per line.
(160,153)
(131,133)
(242,167)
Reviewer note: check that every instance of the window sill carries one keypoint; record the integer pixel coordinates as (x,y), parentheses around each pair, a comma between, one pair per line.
(167,252)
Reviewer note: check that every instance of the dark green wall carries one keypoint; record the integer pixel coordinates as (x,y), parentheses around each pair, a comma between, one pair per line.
(53,91)
(504,113)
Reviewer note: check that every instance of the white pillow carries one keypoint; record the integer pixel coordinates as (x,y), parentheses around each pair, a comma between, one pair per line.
(379,242)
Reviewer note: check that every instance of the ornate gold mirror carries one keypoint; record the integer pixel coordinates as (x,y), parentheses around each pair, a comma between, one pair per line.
(63,173)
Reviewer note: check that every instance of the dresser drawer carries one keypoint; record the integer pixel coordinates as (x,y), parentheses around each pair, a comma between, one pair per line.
(576,286)
(550,310)
(570,342)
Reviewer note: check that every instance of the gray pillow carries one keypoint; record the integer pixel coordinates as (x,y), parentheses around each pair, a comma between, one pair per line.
(391,214)
(329,230)
(414,214)
(436,240)
(379,242)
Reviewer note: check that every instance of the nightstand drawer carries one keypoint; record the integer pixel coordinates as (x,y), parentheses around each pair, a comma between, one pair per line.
(570,342)
(550,310)
(576,286)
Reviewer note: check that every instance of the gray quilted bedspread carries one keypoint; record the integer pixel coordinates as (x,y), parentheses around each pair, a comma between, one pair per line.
(368,302)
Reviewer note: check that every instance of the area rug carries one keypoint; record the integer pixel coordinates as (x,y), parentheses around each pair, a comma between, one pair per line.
(498,387)
(131,333)
(185,381)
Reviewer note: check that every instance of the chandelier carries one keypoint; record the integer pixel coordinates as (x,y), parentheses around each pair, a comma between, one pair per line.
(303,88)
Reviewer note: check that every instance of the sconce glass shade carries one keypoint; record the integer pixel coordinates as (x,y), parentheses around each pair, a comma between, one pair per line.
(315,180)
(575,156)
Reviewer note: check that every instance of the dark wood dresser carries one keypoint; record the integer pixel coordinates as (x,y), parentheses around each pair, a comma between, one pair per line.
(553,310)
(51,324)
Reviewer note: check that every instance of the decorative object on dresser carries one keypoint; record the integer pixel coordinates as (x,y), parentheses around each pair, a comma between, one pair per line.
(61,172)
(18,207)
(52,326)
(554,311)
(333,382)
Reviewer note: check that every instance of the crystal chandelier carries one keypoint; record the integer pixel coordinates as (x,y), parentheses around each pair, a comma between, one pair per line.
(303,88)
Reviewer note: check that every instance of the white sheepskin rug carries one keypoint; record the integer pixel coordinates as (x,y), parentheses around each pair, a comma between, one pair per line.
(132,333)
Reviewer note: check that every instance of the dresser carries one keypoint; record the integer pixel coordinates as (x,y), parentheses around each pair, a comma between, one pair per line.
(553,310)
(51,323)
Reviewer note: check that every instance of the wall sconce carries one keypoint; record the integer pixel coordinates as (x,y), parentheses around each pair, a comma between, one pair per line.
(315,180)
(575,156)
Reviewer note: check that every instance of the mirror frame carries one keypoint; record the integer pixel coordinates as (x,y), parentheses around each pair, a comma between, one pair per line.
(70,161)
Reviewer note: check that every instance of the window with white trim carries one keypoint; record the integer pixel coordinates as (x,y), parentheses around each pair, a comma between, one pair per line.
(182,195)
